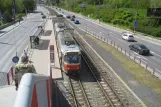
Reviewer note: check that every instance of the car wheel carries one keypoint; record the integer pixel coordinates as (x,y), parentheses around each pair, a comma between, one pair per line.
(138,51)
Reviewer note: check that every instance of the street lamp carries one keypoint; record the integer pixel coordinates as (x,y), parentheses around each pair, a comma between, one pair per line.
(136,18)
(83,6)
(14,10)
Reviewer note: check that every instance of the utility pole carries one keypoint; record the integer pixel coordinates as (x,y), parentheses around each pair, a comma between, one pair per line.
(136,18)
(99,11)
(14,10)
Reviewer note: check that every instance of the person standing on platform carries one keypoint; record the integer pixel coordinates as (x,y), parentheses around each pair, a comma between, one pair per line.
(23,67)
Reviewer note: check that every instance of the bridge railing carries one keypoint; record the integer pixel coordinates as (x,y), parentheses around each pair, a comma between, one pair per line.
(34,91)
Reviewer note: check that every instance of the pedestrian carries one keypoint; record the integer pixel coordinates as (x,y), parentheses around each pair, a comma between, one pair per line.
(23,67)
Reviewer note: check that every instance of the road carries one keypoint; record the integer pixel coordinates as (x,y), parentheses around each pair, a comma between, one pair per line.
(153,60)
(18,39)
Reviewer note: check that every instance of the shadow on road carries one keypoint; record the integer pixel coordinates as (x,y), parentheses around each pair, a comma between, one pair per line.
(2,31)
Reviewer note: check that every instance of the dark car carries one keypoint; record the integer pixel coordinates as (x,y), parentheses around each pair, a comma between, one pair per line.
(59,15)
(73,16)
(68,17)
(76,21)
(43,16)
(140,49)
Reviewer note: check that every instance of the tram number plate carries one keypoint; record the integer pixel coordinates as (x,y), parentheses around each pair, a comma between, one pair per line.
(51,57)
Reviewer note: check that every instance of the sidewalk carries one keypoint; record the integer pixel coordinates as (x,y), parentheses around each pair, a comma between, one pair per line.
(41,57)
(9,28)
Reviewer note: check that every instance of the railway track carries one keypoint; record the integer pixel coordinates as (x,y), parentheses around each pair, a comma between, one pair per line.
(76,95)
(90,89)
(111,92)
(109,96)
(96,85)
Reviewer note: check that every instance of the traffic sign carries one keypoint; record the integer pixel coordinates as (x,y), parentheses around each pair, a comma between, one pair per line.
(15,59)
(136,23)
(82,5)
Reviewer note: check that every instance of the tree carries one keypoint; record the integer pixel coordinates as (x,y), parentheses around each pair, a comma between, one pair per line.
(30,5)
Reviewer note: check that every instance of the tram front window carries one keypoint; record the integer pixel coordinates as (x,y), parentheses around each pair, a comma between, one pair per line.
(72,57)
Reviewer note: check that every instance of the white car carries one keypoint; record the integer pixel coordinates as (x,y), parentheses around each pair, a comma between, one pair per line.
(128,36)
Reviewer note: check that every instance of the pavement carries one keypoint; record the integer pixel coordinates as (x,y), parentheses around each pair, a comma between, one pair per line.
(9,28)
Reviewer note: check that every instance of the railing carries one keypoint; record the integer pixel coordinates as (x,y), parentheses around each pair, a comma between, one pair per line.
(34,90)
(6,78)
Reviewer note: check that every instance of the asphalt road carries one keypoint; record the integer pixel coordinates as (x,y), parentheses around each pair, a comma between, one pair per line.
(153,60)
(18,39)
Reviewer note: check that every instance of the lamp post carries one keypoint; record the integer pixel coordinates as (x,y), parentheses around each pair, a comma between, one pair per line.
(14,10)
(83,6)
(136,17)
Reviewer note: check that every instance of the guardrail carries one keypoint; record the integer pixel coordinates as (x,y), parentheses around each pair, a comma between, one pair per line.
(142,63)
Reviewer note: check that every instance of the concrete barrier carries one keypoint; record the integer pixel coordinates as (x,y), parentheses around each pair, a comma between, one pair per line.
(34,91)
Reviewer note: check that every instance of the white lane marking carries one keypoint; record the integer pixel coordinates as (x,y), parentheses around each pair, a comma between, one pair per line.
(140,56)
(158,70)
(123,41)
(155,54)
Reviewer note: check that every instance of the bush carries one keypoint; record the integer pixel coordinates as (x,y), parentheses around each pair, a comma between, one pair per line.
(20,15)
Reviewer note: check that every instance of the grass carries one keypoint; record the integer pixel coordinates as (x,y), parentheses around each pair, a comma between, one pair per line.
(140,74)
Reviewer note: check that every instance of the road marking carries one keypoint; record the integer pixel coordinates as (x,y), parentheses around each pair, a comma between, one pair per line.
(157,70)
(155,54)
(140,56)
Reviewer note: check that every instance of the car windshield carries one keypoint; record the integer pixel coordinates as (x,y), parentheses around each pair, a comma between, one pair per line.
(143,47)
(72,57)
(130,35)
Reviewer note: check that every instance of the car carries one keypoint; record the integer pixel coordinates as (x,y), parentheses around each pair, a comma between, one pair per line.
(72,18)
(68,16)
(140,49)
(43,16)
(59,15)
(128,36)
(76,21)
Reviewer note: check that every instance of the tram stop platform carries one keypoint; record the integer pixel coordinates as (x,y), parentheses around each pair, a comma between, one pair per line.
(41,60)
(41,57)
